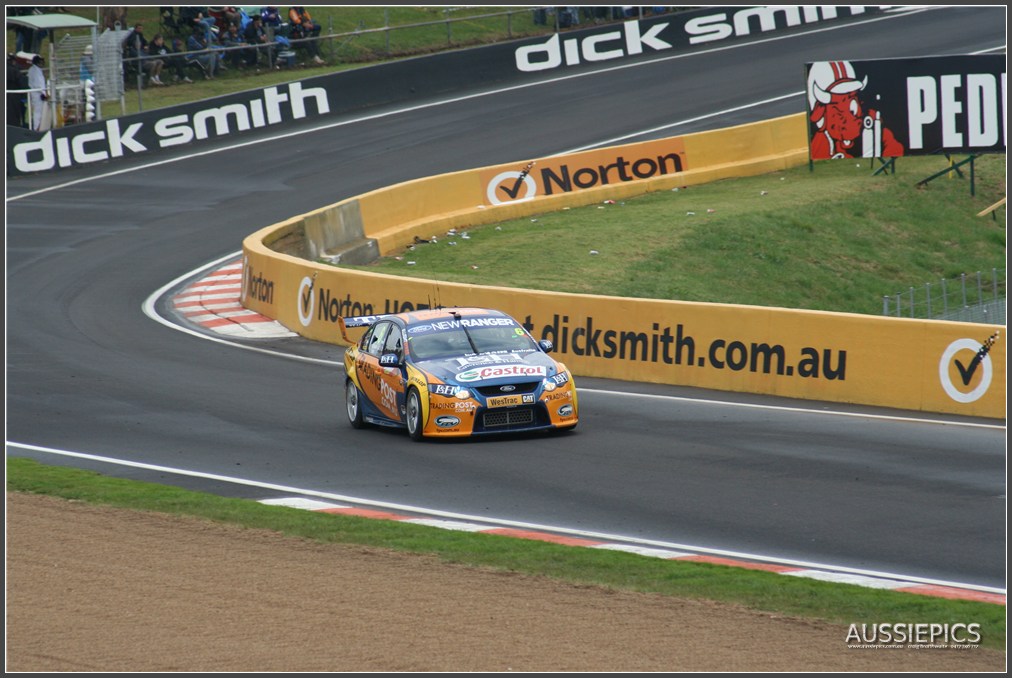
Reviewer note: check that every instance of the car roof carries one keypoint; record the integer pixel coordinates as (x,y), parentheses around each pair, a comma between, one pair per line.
(418,318)
(430,315)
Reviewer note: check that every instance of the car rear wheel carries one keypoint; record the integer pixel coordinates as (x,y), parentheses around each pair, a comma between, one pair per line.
(354,405)
(413,414)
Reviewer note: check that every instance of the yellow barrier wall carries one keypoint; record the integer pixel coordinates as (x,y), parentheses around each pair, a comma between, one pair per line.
(892,362)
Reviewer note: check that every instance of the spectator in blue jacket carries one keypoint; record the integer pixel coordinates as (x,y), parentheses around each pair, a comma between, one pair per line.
(208,60)
(271,17)
(232,39)
(86,69)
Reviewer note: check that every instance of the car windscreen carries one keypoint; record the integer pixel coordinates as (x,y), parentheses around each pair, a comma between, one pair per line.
(444,339)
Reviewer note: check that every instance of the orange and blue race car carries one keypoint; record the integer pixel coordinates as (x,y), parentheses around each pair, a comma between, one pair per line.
(454,372)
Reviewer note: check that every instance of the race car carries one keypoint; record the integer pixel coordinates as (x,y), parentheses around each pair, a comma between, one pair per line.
(454,372)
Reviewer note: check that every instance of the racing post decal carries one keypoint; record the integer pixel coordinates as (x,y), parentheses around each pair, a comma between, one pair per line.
(966,383)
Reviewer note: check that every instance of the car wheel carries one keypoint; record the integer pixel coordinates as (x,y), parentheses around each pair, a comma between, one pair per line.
(351,400)
(413,414)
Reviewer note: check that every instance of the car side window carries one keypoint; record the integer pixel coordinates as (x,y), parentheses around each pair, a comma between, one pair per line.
(376,339)
(363,343)
(394,343)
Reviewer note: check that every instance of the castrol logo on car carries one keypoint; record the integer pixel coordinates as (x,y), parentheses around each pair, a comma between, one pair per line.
(498,371)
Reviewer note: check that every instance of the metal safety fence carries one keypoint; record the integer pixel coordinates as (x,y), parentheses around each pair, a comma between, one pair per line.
(974,298)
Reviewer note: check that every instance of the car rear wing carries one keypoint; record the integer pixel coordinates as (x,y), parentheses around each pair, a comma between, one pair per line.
(357,321)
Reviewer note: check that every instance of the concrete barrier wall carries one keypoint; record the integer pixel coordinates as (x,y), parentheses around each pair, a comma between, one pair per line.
(849,358)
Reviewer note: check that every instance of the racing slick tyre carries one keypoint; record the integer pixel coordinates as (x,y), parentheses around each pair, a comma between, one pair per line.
(354,404)
(413,414)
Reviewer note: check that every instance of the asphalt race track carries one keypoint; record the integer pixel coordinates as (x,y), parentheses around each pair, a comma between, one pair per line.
(88,372)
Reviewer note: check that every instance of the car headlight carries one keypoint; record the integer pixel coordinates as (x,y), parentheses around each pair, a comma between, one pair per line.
(462,394)
(550,384)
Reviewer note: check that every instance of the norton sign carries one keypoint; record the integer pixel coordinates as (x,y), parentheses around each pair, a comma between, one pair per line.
(580,171)
(118,138)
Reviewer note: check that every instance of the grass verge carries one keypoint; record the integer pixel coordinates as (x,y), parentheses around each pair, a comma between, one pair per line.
(837,603)
(837,238)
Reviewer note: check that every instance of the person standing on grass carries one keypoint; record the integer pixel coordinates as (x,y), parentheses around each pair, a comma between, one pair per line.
(86,69)
(15,100)
(38,97)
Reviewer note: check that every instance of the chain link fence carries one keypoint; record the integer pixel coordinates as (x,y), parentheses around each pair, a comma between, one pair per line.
(973,298)
(79,58)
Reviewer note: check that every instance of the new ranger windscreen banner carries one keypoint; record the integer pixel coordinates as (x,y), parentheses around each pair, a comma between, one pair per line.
(885,108)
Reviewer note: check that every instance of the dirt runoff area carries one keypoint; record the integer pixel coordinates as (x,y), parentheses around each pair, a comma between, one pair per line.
(100,589)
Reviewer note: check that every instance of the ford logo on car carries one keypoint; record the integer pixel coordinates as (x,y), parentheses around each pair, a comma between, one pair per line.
(447,421)
(506,388)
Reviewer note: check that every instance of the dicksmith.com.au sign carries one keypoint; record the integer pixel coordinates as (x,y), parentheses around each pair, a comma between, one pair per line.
(118,138)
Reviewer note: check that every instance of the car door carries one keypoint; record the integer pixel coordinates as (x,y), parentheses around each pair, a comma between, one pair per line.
(376,385)
(394,376)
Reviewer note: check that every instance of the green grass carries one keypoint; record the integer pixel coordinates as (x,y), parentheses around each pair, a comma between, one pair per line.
(835,239)
(837,603)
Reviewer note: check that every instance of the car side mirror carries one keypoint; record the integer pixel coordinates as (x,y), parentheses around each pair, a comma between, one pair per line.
(546,345)
(390,360)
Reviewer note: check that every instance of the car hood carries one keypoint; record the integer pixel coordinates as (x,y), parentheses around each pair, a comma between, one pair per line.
(491,368)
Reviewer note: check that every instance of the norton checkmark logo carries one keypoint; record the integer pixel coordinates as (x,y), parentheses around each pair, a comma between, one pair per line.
(511,186)
(973,369)
(305,301)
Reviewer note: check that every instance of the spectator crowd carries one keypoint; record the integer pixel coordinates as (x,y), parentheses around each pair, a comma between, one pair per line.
(216,39)
(203,42)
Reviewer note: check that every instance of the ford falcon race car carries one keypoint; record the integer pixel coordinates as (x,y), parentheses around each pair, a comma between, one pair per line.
(454,372)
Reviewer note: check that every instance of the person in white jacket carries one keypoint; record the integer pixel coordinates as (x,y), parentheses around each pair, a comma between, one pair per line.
(38,97)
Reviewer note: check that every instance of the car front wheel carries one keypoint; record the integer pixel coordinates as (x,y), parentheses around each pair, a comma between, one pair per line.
(351,399)
(413,414)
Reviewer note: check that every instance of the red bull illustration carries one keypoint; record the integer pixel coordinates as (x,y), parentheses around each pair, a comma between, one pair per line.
(845,127)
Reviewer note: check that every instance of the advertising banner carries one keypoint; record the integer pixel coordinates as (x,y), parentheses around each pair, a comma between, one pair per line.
(927,365)
(588,169)
(886,108)
(654,36)
(208,121)
(947,367)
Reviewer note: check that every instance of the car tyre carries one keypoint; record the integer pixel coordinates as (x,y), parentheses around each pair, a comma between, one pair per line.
(352,400)
(413,414)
